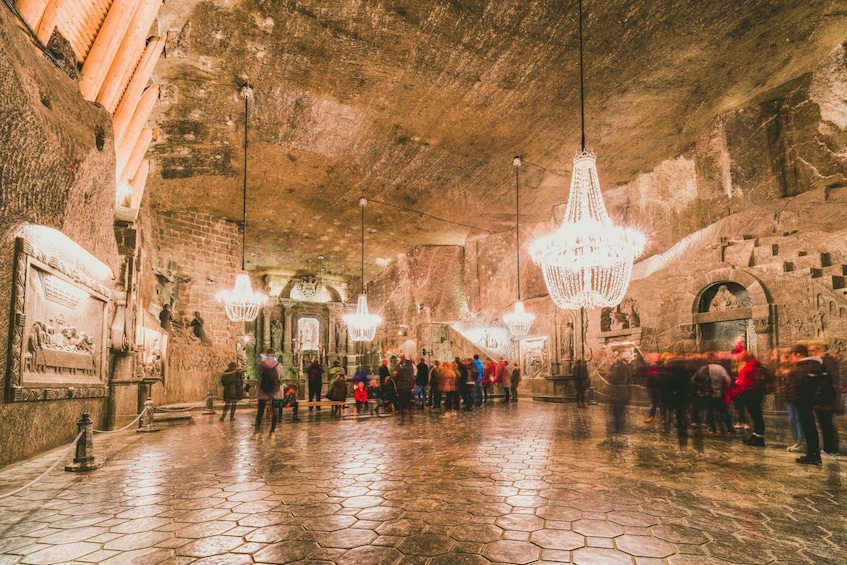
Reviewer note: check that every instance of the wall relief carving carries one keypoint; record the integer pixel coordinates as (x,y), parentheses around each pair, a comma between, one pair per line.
(59,328)
(624,316)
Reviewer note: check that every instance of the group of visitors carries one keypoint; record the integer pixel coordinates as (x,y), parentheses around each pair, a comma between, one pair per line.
(461,383)
(686,389)
(407,386)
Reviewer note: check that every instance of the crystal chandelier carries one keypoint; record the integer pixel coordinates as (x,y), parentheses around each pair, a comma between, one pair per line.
(519,321)
(587,262)
(242,304)
(362,325)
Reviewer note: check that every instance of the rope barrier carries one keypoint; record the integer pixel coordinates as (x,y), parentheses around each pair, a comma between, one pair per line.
(42,475)
(123,428)
(184,409)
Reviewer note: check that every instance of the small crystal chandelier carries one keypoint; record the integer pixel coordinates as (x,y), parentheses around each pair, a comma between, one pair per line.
(362,325)
(519,321)
(587,262)
(241,303)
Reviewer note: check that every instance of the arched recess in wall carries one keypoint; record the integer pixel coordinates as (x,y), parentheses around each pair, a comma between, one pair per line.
(727,303)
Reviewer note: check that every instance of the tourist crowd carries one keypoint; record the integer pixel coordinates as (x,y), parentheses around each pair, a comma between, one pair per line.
(721,392)
(724,392)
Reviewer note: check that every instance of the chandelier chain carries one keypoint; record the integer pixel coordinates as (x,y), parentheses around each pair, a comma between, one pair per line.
(581,83)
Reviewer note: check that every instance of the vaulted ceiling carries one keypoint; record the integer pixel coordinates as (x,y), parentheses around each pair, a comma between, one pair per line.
(421,105)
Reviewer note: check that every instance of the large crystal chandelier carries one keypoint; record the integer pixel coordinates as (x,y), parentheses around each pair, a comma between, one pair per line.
(519,321)
(587,262)
(242,304)
(362,325)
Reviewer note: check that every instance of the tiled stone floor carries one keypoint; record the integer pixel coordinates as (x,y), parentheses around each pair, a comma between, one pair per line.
(524,483)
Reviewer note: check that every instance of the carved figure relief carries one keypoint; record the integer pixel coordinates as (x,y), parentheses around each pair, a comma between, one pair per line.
(536,362)
(724,300)
(567,341)
(606,320)
(308,334)
(59,330)
(623,317)
(276,335)
(199,331)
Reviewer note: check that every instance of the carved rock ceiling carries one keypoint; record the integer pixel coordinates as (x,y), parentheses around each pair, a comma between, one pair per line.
(422,105)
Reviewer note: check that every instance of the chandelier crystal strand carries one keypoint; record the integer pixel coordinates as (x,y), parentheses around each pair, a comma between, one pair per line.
(519,321)
(242,304)
(362,325)
(587,262)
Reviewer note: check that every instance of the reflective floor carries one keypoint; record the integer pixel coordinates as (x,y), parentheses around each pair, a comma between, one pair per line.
(520,483)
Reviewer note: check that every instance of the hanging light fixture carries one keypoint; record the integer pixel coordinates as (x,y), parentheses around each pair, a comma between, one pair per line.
(241,303)
(519,321)
(587,262)
(362,325)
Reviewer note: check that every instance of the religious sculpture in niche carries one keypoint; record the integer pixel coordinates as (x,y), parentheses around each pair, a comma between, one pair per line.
(308,334)
(535,362)
(59,330)
(724,300)
(197,326)
(624,316)
(276,335)
(567,342)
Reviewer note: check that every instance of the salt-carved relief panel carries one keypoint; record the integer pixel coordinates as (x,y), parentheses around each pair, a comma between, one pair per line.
(59,330)
(536,360)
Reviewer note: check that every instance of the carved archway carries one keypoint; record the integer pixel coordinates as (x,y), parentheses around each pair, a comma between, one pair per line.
(747,305)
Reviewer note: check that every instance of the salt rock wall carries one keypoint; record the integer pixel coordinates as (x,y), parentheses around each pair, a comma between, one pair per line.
(56,169)
(195,256)
(759,199)
(426,285)
(792,143)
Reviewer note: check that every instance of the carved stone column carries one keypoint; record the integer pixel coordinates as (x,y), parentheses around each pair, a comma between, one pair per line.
(286,333)
(266,327)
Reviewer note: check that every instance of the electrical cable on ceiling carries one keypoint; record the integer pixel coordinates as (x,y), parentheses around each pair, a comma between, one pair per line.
(428,215)
(32,35)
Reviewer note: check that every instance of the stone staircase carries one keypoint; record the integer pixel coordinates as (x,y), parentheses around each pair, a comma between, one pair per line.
(786,254)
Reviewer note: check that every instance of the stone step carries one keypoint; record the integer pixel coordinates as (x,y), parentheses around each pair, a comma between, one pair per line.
(806,261)
(835,270)
(832,281)
(175,419)
(763,254)
(784,239)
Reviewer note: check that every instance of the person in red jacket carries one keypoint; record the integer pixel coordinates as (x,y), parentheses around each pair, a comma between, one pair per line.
(360,395)
(489,374)
(750,390)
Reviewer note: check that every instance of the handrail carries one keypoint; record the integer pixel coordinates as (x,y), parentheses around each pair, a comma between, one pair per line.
(41,476)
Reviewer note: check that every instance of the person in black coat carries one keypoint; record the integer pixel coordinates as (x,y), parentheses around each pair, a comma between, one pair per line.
(675,376)
(233,382)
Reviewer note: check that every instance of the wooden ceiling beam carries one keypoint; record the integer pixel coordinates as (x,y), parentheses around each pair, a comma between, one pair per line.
(130,168)
(135,89)
(128,54)
(139,118)
(106,46)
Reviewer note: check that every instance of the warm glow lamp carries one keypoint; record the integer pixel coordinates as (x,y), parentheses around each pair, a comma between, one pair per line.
(519,321)
(362,325)
(242,304)
(587,262)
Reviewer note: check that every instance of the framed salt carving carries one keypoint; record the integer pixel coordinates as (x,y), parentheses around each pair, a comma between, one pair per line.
(59,327)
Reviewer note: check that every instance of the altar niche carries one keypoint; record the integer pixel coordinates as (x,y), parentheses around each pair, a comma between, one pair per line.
(724,317)
(58,331)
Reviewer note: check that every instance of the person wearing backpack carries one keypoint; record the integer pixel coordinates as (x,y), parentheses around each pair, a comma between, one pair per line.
(802,388)
(714,380)
(269,387)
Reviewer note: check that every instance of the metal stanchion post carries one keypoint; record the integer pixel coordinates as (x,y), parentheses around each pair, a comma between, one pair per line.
(147,422)
(210,404)
(84,460)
